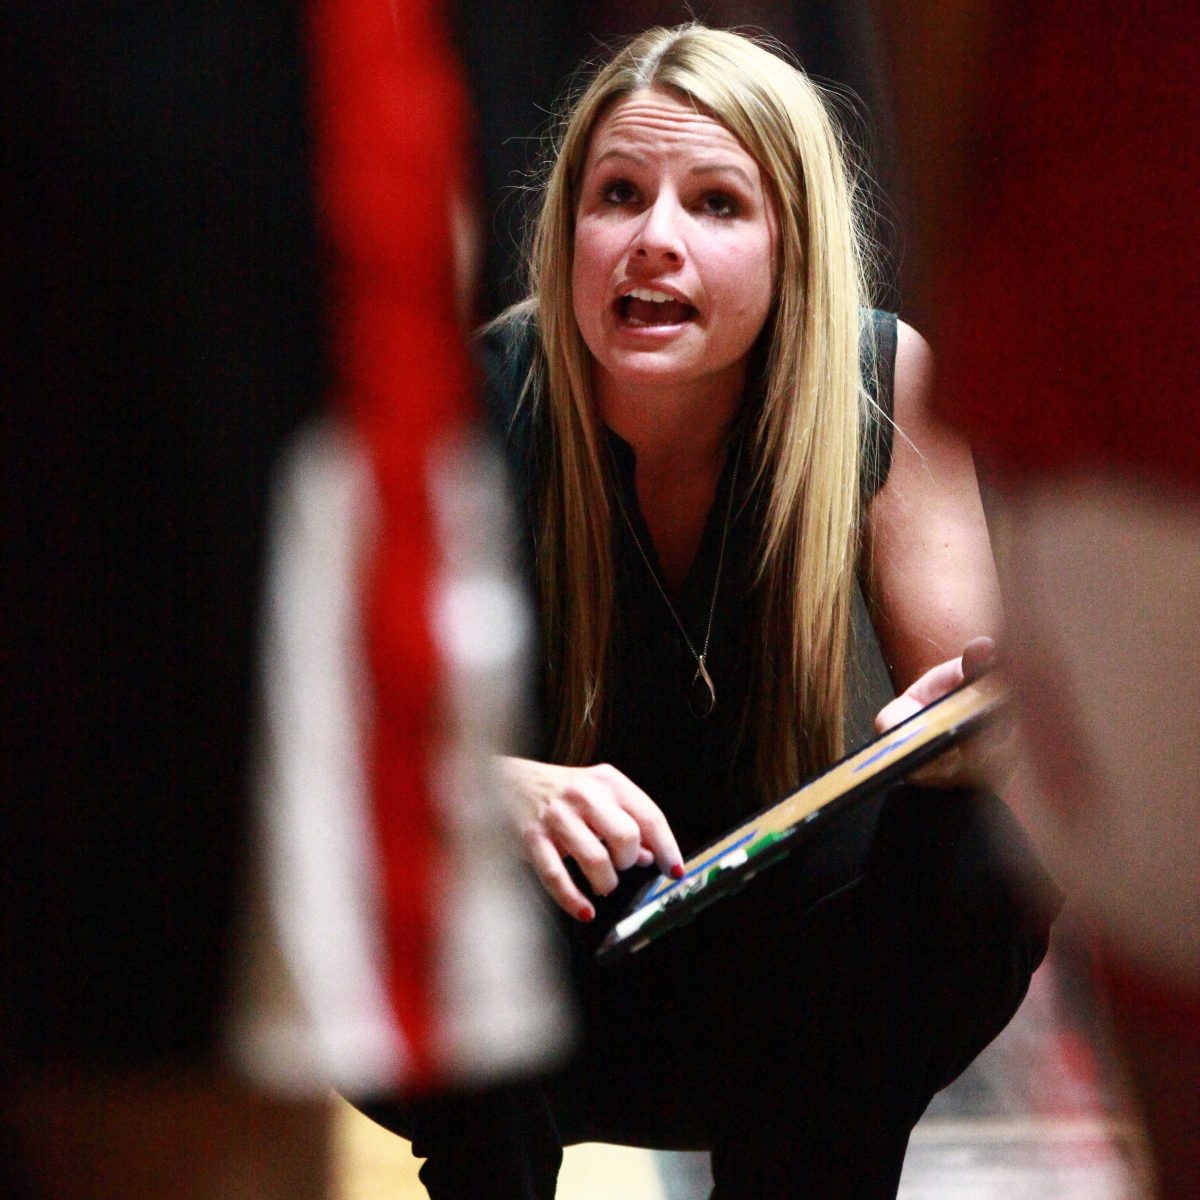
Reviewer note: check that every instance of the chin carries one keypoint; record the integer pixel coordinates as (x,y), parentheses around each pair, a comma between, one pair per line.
(647,369)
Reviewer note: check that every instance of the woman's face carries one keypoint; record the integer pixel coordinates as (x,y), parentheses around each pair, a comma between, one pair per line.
(675,239)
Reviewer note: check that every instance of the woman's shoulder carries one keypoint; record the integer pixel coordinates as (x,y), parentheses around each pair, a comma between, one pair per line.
(504,350)
(878,340)
(878,343)
(504,353)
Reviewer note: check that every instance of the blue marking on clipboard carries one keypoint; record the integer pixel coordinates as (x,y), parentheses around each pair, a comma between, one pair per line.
(884,751)
(708,862)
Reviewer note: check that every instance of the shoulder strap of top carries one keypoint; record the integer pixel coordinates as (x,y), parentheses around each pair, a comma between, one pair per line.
(504,353)
(878,358)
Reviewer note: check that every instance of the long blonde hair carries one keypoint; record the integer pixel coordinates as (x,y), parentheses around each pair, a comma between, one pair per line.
(806,434)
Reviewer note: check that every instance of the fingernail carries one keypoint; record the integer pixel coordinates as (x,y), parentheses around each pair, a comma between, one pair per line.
(587,913)
(677,871)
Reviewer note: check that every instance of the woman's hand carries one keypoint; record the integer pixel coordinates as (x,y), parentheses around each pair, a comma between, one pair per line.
(596,816)
(981,759)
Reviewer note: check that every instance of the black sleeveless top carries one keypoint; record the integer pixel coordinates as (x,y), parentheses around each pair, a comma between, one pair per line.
(698,770)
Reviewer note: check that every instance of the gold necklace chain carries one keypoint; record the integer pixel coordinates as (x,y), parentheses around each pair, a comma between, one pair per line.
(701,702)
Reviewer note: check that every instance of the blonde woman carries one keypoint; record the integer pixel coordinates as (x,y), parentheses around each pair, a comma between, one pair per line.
(697,401)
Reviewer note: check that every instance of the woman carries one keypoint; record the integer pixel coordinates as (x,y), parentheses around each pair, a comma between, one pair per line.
(697,410)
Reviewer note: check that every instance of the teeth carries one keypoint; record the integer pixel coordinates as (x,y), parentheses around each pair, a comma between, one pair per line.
(649,294)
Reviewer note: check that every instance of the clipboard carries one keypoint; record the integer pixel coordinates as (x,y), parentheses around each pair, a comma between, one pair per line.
(727,864)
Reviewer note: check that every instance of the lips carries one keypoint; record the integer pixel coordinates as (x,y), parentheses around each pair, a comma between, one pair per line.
(648,306)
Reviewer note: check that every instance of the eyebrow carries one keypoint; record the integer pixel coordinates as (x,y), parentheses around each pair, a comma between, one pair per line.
(700,168)
(622,154)
(722,168)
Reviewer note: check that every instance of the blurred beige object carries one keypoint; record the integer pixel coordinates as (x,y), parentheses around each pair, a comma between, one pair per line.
(1104,595)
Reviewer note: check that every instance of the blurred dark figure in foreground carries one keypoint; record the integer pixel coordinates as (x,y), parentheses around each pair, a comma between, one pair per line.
(160,342)
(1056,167)
(245,826)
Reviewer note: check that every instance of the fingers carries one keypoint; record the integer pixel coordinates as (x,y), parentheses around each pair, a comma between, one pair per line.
(983,757)
(892,713)
(654,830)
(978,657)
(548,865)
(593,815)
(601,806)
(573,838)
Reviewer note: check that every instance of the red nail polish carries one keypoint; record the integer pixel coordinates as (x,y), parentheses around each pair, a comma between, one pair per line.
(587,913)
(677,871)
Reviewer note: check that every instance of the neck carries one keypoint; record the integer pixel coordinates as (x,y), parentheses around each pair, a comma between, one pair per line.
(672,427)
(680,438)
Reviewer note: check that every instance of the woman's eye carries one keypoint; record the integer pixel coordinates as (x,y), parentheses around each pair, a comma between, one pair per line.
(719,204)
(620,191)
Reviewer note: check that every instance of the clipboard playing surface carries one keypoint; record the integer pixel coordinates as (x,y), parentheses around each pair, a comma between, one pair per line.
(730,862)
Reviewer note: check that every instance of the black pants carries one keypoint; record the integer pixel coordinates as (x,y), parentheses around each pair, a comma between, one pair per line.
(797,1030)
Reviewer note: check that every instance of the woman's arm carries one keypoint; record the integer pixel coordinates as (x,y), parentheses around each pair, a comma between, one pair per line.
(931,577)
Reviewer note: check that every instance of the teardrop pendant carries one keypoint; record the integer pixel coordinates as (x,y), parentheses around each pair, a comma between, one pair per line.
(703,697)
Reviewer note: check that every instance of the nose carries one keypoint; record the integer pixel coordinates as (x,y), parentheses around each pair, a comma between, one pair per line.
(659,240)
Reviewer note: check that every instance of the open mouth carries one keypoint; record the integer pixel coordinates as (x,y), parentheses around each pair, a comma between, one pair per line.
(644,306)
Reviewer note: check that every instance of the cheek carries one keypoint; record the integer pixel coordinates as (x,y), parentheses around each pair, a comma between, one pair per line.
(757,290)
(761,281)
(749,281)
(587,276)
